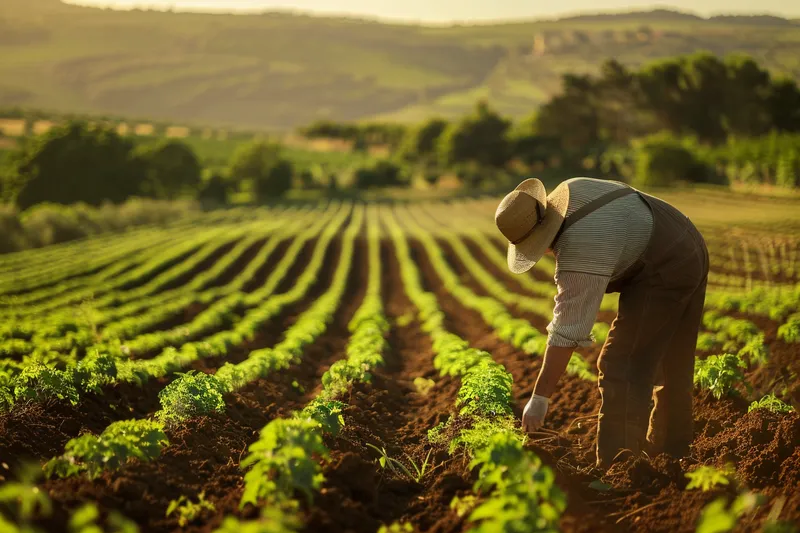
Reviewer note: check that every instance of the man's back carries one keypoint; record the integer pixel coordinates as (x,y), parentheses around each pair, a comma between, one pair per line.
(607,241)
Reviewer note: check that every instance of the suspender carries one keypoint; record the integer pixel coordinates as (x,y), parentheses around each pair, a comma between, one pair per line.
(592,206)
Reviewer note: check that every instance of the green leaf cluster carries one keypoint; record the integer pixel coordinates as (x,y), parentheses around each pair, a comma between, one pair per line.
(772,403)
(116,445)
(719,373)
(188,510)
(707,478)
(191,394)
(485,390)
(521,491)
(283,460)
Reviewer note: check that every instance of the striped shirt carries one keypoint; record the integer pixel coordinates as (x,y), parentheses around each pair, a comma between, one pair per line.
(594,251)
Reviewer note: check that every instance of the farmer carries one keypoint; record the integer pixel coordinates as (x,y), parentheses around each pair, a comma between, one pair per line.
(608,237)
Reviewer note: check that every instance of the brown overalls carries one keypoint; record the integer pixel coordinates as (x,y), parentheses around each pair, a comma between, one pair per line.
(652,340)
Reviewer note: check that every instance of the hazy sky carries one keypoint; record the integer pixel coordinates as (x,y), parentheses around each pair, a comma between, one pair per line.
(465,10)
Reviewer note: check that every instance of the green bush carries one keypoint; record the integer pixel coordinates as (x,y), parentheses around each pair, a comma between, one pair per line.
(662,160)
(48,223)
(172,169)
(381,173)
(264,166)
(214,191)
(73,163)
(479,139)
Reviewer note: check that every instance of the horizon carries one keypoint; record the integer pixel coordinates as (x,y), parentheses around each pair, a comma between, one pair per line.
(437,12)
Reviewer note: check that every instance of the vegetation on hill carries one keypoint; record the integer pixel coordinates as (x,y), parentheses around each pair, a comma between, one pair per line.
(280,71)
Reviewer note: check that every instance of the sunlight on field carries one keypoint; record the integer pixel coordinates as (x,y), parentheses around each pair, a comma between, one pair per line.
(322,326)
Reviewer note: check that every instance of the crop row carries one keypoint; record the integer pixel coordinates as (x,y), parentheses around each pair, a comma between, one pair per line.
(27,379)
(285,459)
(510,478)
(516,331)
(194,394)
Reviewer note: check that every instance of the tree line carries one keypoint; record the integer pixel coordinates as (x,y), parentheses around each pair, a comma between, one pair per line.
(697,118)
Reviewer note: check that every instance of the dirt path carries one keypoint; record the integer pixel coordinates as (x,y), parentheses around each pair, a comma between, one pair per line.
(576,398)
(359,496)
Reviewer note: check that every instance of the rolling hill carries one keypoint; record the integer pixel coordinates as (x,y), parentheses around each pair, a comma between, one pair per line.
(280,70)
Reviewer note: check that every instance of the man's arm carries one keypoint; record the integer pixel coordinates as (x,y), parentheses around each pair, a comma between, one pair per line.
(555,363)
(577,302)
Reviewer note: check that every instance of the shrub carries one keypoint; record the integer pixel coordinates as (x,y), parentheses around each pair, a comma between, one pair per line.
(75,163)
(264,166)
(381,173)
(662,161)
(213,191)
(172,169)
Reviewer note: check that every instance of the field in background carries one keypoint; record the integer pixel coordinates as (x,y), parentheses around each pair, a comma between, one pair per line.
(254,72)
(292,315)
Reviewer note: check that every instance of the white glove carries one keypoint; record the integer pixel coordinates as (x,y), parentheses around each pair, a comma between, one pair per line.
(534,413)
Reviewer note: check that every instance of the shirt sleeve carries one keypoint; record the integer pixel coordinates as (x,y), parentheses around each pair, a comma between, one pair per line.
(576,305)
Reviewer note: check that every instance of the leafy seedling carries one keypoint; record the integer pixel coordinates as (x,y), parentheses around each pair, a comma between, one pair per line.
(423,385)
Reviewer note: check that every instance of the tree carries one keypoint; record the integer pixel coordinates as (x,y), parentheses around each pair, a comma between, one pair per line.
(172,170)
(571,116)
(529,147)
(214,191)
(661,161)
(479,139)
(783,103)
(746,97)
(264,166)
(74,163)
(381,173)
(419,144)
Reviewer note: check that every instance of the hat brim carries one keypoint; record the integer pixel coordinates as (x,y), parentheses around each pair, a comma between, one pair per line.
(525,254)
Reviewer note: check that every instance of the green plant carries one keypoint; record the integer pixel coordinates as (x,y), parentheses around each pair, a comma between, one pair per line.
(423,385)
(521,492)
(719,517)
(719,373)
(279,517)
(38,382)
(790,331)
(397,467)
(326,413)
(577,366)
(191,394)
(282,461)
(463,505)
(485,390)
(772,403)
(706,478)
(118,443)
(188,510)
(397,527)
(28,500)
(85,520)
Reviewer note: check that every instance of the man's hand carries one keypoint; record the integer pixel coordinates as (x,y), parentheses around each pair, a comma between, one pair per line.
(534,413)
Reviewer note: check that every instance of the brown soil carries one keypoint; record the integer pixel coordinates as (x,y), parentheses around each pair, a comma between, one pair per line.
(389,412)
(644,494)
(204,454)
(723,429)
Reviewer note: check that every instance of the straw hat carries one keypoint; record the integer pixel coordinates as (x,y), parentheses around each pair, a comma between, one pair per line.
(529,219)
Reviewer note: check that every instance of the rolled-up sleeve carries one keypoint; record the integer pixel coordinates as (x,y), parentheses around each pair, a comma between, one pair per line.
(576,305)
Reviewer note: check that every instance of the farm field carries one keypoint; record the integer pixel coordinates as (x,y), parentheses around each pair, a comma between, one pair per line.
(345,366)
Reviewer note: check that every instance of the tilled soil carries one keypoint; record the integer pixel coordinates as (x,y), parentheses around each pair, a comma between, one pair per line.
(640,494)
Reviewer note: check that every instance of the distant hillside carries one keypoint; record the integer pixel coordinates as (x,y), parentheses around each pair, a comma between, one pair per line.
(278,71)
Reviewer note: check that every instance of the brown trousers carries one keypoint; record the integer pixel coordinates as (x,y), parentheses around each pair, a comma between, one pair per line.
(649,352)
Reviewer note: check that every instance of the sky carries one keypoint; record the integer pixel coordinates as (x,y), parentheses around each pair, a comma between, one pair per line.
(446,11)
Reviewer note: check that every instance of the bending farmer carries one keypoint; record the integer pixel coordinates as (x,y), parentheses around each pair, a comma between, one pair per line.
(608,237)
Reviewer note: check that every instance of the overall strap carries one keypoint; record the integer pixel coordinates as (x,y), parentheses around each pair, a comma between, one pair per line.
(592,206)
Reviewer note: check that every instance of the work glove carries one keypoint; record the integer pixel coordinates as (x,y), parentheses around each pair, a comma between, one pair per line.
(533,415)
